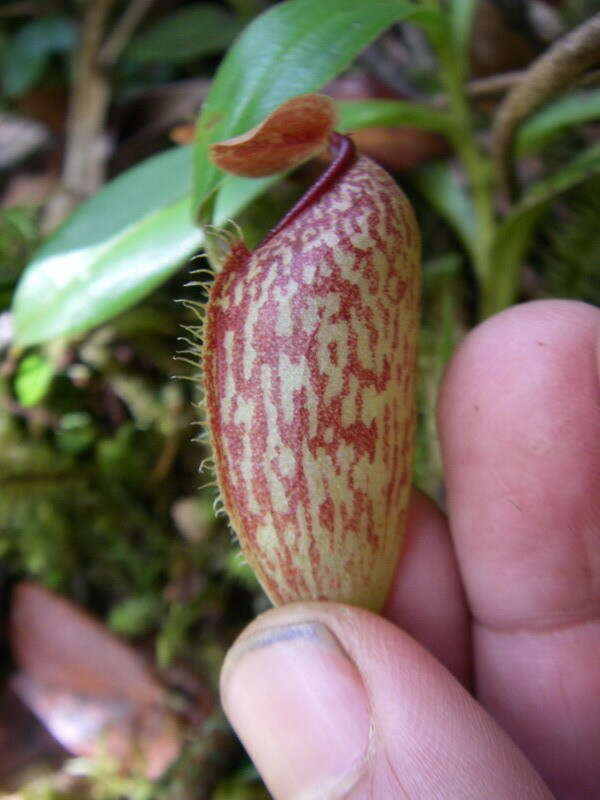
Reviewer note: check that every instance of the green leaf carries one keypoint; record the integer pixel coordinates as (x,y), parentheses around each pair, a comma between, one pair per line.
(437,270)
(237,193)
(114,249)
(118,246)
(30,48)
(32,379)
(293,48)
(441,186)
(449,32)
(197,30)
(461,13)
(579,169)
(76,432)
(512,242)
(432,20)
(572,109)
(136,615)
(514,236)
(571,258)
(355,114)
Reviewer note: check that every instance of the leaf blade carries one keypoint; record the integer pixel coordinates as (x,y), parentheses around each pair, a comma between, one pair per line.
(81,278)
(550,121)
(461,14)
(32,379)
(581,167)
(356,114)
(113,250)
(169,39)
(440,185)
(307,42)
(514,235)
(101,282)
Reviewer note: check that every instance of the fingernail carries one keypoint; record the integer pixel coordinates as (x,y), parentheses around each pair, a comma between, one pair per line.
(299,706)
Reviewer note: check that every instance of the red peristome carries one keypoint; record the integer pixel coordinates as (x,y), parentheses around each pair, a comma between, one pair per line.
(309,369)
(344,155)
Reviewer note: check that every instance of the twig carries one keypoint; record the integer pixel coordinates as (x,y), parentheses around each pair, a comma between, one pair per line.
(558,68)
(484,87)
(505,81)
(85,154)
(494,84)
(117,40)
(498,84)
(86,149)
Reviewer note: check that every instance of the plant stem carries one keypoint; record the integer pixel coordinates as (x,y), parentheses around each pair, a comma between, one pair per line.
(119,37)
(477,167)
(476,164)
(555,70)
(86,147)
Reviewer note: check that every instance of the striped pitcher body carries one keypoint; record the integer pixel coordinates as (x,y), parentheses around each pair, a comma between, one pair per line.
(309,362)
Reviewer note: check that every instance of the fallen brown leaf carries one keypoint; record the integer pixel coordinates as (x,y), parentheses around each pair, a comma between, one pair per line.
(92,691)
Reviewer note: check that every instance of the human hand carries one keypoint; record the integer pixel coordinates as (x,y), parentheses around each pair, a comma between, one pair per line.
(485,673)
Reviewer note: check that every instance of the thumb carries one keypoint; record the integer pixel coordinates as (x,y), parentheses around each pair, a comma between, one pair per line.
(332,701)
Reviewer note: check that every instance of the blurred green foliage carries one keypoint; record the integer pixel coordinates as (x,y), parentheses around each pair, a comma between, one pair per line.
(30,49)
(169,41)
(570,255)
